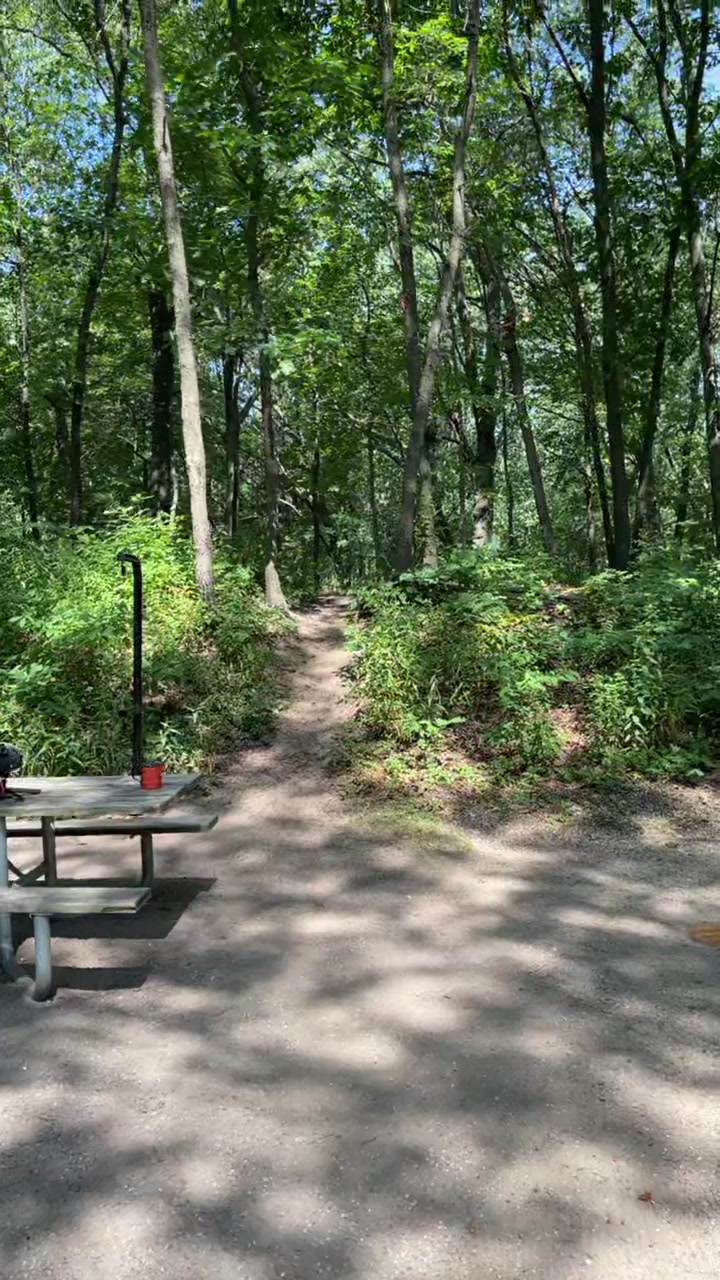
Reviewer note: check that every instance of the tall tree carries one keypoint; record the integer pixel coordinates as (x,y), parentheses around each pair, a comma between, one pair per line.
(594,104)
(256,196)
(516,371)
(422,375)
(163,385)
(189,390)
(683,38)
(582,331)
(116,62)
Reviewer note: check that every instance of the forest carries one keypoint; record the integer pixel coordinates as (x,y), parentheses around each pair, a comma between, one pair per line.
(414,301)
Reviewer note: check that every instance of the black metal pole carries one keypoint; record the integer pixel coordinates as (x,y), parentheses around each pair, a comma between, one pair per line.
(125,559)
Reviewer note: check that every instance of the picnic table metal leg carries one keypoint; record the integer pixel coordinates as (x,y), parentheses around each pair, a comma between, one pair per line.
(146,858)
(7,950)
(43,986)
(49,850)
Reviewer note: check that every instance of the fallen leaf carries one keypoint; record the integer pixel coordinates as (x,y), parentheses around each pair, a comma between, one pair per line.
(647,1197)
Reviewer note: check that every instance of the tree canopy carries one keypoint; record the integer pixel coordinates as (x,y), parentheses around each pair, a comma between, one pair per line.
(452,271)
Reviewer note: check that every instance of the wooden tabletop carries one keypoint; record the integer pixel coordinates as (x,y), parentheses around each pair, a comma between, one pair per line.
(87,797)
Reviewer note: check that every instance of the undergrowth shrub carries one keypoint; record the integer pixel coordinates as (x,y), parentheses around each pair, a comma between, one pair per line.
(622,672)
(66,652)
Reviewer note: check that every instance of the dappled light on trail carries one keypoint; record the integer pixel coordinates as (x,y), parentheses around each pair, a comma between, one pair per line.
(352,1056)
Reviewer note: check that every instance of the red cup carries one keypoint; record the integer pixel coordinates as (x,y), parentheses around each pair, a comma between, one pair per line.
(151,777)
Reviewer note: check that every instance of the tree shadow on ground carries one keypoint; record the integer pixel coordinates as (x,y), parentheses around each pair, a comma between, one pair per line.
(355,1060)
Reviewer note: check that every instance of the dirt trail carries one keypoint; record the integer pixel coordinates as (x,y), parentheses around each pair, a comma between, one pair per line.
(328,1049)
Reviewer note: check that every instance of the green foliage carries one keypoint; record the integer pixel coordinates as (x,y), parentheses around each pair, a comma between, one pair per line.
(622,673)
(66,652)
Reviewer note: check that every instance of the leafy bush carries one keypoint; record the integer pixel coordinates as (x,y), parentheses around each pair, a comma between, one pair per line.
(631,661)
(66,652)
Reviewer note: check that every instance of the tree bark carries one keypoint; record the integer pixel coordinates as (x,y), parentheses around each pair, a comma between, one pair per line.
(406,249)
(256,189)
(517,383)
(582,333)
(422,397)
(686,157)
(483,394)
(26,440)
(189,389)
(612,380)
(232,443)
(316,505)
(372,498)
(683,499)
(163,387)
(426,521)
(509,490)
(647,511)
(118,73)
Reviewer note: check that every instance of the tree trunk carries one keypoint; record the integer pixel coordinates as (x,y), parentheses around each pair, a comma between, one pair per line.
(189,389)
(683,499)
(372,498)
(590,529)
(406,251)
(256,189)
(612,381)
(26,440)
(316,516)
(118,72)
(708,363)
(517,383)
(509,491)
(422,400)
(462,489)
(483,402)
(427,537)
(582,333)
(686,157)
(647,511)
(232,443)
(163,387)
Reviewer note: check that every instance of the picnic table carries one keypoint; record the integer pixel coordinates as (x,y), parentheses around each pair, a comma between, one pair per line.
(72,807)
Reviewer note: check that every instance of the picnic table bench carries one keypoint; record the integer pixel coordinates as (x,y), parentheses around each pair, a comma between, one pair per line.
(66,807)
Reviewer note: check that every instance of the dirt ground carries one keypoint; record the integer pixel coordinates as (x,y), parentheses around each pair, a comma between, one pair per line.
(334,1049)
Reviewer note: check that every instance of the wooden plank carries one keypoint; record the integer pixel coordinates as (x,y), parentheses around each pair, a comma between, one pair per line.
(88,797)
(123,826)
(76,900)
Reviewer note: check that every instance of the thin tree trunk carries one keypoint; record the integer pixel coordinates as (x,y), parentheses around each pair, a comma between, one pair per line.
(582,332)
(462,488)
(232,443)
(316,516)
(256,184)
(163,387)
(708,361)
(427,537)
(686,157)
(31,485)
(422,397)
(118,73)
(189,389)
(406,251)
(372,497)
(483,402)
(517,383)
(612,381)
(647,510)
(509,491)
(590,528)
(683,499)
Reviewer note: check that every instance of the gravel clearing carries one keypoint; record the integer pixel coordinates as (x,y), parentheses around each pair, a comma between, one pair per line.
(326,1052)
